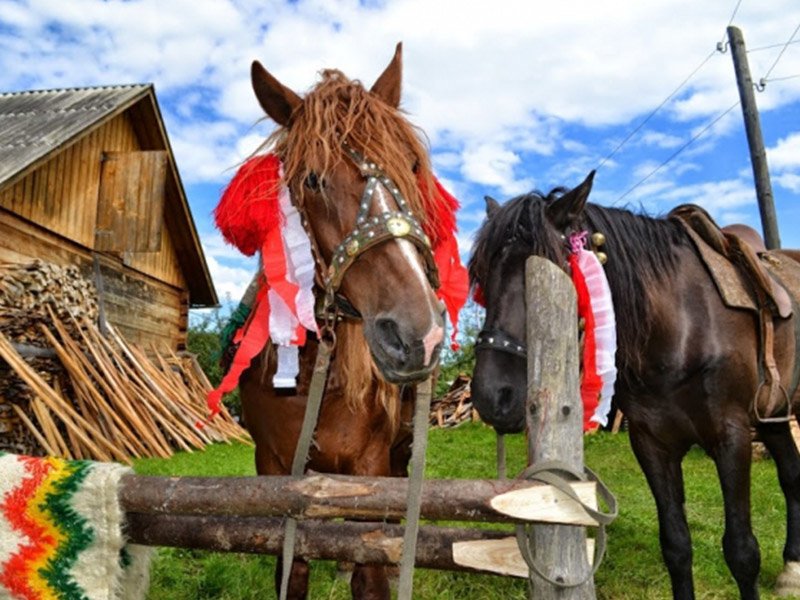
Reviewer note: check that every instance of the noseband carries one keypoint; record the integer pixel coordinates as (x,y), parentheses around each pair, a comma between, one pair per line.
(368,233)
(497,339)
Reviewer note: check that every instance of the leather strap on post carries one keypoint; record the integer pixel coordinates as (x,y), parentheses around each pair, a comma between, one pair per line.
(559,475)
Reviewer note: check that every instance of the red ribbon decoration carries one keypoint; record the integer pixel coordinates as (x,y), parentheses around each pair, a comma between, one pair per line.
(252,337)
(440,227)
(591,383)
(248,216)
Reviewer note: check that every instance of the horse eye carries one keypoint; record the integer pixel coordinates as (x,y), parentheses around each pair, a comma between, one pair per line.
(415,168)
(312,181)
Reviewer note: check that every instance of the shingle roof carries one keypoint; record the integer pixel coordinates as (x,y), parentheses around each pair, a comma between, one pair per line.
(34,124)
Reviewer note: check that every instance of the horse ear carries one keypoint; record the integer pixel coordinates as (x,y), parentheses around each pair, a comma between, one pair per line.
(276,99)
(387,86)
(492,206)
(564,211)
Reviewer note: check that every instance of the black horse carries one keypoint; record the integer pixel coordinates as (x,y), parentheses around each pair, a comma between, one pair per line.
(688,366)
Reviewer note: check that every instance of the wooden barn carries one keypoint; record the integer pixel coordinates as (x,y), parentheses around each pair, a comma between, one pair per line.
(87,178)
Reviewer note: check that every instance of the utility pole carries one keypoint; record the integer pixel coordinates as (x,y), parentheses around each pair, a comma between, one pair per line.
(752,125)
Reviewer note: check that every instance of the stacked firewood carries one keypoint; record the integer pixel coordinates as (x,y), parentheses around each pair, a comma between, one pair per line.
(67,390)
(27,292)
(455,406)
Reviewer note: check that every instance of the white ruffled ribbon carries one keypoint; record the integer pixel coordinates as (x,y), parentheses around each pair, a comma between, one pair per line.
(283,322)
(605,330)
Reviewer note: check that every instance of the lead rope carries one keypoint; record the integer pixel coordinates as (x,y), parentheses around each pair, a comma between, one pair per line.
(501,456)
(315,392)
(422,409)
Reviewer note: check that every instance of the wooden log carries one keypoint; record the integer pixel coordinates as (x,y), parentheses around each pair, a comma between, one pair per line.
(59,406)
(130,408)
(332,496)
(372,543)
(32,428)
(500,556)
(555,419)
(93,405)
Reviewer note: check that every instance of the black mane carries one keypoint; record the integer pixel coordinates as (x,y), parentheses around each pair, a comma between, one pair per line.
(641,251)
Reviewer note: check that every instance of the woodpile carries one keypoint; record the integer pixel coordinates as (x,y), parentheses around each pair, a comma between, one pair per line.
(455,406)
(67,390)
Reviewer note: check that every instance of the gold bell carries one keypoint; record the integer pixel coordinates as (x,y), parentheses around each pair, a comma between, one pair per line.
(598,239)
(602,257)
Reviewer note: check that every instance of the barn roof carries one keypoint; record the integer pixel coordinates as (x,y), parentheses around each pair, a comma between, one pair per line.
(36,125)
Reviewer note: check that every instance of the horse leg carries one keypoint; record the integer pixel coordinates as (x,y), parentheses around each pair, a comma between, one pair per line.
(662,469)
(733,460)
(778,439)
(298,579)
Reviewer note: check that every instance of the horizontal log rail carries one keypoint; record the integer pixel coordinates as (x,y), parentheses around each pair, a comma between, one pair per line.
(363,498)
(373,543)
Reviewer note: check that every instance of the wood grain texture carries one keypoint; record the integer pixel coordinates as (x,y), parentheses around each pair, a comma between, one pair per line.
(555,417)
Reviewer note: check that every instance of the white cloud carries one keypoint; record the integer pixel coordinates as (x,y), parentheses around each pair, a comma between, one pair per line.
(493,165)
(505,92)
(786,153)
(715,196)
(230,270)
(789,181)
(660,140)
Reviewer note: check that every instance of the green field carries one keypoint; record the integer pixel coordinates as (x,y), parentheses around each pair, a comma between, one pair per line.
(632,568)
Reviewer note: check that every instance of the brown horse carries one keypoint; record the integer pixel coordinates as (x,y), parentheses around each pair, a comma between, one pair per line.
(688,365)
(333,143)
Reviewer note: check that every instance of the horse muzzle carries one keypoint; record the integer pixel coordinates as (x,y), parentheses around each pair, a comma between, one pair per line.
(402,360)
(498,397)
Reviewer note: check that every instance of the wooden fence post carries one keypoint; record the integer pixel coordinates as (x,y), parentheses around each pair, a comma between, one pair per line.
(555,418)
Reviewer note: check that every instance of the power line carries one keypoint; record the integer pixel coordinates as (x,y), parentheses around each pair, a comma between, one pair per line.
(658,108)
(780,54)
(721,44)
(679,150)
(781,78)
(771,46)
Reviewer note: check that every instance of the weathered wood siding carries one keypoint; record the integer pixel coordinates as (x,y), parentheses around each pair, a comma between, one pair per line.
(144,309)
(58,203)
(62,196)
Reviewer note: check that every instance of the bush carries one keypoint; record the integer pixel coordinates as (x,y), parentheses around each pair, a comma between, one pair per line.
(204,339)
(461,360)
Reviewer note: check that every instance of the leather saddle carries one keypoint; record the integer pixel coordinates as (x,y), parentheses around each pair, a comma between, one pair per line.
(742,269)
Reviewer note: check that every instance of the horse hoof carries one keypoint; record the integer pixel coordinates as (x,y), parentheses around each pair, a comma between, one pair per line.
(788,582)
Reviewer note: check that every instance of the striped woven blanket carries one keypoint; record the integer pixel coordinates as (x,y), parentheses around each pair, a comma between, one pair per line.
(61,532)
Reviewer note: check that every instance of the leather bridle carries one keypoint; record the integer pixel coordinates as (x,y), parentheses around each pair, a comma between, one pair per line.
(368,232)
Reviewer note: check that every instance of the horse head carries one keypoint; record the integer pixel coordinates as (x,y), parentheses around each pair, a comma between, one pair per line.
(525,226)
(357,172)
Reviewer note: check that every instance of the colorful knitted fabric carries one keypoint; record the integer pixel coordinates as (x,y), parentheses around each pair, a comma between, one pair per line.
(61,532)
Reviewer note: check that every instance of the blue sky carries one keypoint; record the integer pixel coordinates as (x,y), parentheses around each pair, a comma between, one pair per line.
(513,95)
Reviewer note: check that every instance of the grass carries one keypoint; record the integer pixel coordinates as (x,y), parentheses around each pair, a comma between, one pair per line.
(631,570)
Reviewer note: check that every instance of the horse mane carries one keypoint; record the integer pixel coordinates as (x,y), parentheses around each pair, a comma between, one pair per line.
(354,372)
(641,253)
(338,109)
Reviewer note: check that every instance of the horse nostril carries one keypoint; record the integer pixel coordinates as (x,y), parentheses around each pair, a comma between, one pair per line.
(389,335)
(505,400)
